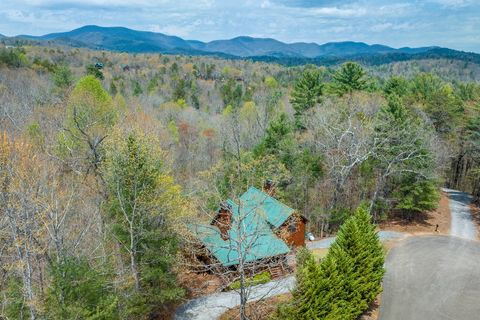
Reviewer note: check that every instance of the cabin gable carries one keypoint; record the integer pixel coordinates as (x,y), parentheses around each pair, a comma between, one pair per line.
(292,231)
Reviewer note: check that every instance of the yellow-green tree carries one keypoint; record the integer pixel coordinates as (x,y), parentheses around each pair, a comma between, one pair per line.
(91,114)
(142,201)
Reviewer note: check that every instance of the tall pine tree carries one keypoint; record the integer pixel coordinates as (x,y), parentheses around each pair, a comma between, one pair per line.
(350,77)
(307,92)
(142,199)
(346,281)
(358,239)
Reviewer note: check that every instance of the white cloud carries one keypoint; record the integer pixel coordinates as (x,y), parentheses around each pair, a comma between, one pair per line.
(381,27)
(451,23)
(93,3)
(339,12)
(452,3)
(174,30)
(265,4)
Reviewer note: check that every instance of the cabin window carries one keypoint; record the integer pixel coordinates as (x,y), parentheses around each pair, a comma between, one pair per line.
(292,227)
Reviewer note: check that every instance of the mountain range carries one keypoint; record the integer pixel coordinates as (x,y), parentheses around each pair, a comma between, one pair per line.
(265,49)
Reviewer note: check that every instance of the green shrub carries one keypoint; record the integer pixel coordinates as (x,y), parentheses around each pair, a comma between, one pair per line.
(416,195)
(14,58)
(12,295)
(79,290)
(260,278)
(93,71)
(63,76)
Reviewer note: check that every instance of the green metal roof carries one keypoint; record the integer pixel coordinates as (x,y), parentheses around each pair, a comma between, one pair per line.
(249,232)
(276,213)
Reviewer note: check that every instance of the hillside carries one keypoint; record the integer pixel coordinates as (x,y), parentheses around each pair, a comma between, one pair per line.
(258,49)
(188,132)
(116,39)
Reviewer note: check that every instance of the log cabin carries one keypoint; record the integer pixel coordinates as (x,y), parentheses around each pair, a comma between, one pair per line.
(284,221)
(269,229)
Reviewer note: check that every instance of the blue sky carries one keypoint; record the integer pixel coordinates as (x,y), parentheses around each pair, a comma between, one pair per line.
(449,23)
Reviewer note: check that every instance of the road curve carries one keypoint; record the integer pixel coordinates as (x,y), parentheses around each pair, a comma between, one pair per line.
(418,282)
(432,278)
(462,225)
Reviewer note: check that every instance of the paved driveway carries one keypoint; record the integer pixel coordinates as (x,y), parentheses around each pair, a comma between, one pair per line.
(436,277)
(213,306)
(382,235)
(462,224)
(432,278)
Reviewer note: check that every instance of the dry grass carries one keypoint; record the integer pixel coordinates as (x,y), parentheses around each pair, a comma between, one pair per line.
(262,310)
(475,211)
(372,312)
(199,284)
(424,223)
(257,310)
(319,253)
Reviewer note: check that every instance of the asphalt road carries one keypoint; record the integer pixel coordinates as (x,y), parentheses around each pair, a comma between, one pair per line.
(432,278)
(462,224)
(435,277)
(382,235)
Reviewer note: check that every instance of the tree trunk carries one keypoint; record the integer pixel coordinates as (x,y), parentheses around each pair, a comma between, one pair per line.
(27,282)
(134,269)
(133,262)
(378,186)
(243,294)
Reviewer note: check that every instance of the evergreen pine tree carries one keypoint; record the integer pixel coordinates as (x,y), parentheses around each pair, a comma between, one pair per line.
(396,85)
(350,77)
(307,92)
(306,292)
(416,195)
(346,281)
(373,256)
(345,250)
(358,239)
(142,198)
(403,157)
(79,291)
(299,306)
(340,298)
(279,140)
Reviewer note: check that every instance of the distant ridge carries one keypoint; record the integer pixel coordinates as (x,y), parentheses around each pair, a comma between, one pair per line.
(124,39)
(375,59)
(264,49)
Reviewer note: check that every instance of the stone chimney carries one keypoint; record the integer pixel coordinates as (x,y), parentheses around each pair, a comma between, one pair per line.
(223,220)
(269,187)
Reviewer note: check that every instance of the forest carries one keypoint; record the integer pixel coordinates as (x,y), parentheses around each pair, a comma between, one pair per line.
(105,158)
